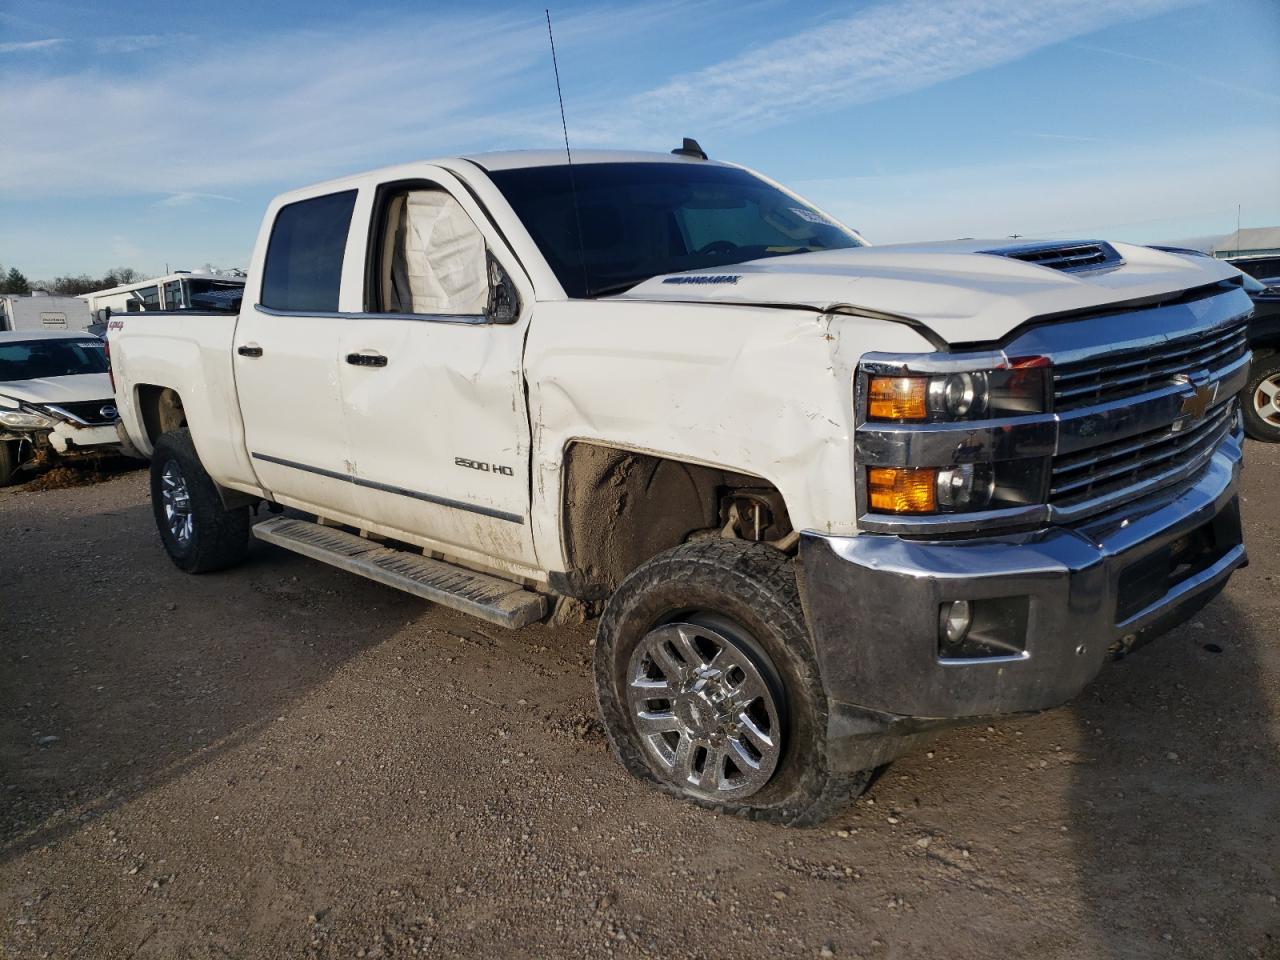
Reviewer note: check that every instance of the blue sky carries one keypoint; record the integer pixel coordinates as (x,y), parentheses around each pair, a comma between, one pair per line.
(146,134)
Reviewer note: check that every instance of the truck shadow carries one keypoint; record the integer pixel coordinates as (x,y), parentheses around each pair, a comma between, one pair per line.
(1176,811)
(119,674)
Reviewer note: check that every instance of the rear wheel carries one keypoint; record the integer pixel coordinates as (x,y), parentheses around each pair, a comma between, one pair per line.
(199,533)
(709,688)
(1260,399)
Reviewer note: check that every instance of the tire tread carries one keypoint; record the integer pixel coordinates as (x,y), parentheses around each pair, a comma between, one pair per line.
(764,578)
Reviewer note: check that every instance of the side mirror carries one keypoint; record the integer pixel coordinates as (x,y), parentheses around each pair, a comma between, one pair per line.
(102,314)
(504,302)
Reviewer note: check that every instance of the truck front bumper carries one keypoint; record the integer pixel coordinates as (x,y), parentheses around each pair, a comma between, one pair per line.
(1056,603)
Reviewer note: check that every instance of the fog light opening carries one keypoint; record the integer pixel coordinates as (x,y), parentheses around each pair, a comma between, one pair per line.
(954,620)
(991,628)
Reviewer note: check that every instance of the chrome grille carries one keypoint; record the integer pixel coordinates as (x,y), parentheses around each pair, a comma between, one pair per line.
(86,411)
(1157,455)
(1131,372)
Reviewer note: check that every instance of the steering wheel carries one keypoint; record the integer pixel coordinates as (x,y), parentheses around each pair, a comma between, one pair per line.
(717,246)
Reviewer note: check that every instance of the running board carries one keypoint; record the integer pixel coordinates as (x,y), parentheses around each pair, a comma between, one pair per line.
(489,598)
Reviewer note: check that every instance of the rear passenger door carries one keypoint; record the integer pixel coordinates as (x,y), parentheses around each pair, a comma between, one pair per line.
(432,374)
(286,357)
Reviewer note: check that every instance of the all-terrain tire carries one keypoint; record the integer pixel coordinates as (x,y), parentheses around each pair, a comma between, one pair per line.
(752,587)
(1264,377)
(218,538)
(9,461)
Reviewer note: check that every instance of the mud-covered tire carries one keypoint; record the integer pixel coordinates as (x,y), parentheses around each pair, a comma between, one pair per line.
(751,590)
(1264,379)
(216,537)
(9,462)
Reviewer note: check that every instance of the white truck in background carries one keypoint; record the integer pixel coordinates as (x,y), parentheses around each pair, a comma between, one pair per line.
(832,497)
(180,290)
(39,310)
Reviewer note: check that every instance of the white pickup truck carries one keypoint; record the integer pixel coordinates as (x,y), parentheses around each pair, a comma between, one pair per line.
(831,497)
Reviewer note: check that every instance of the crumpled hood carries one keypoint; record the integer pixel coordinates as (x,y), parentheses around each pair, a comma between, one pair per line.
(81,386)
(962,294)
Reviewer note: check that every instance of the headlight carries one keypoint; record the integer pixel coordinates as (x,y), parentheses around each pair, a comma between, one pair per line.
(1019,388)
(961,488)
(24,421)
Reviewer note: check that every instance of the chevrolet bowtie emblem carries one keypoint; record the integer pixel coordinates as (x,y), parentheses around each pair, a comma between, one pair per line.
(1197,403)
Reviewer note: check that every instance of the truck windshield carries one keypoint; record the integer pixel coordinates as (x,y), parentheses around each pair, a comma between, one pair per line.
(642,220)
(37,359)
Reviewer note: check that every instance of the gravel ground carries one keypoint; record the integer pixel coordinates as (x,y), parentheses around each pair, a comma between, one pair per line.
(287,761)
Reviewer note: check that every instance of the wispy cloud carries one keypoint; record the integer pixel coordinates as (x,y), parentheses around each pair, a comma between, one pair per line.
(267,109)
(282,108)
(1179,68)
(133,43)
(25,45)
(184,198)
(882,51)
(1062,136)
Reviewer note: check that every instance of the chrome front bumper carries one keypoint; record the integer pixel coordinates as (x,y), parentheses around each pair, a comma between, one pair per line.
(873,605)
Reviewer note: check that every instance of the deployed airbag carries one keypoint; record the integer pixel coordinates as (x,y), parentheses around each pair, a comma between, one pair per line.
(439,264)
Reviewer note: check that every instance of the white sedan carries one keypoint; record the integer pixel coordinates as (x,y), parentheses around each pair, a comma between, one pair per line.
(55,398)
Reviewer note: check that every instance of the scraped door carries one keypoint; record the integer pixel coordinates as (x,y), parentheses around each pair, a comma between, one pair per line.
(434,390)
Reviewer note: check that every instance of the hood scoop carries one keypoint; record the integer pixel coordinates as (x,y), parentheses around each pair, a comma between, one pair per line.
(1067,257)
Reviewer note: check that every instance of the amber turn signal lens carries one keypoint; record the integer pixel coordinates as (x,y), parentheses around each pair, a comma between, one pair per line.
(902,489)
(897,398)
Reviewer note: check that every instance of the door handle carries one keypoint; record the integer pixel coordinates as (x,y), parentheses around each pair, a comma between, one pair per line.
(249,350)
(366,360)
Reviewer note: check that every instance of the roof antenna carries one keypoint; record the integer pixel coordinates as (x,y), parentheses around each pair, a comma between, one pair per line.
(690,148)
(573,185)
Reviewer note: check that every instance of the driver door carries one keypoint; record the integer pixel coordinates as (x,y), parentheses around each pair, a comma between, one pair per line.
(432,375)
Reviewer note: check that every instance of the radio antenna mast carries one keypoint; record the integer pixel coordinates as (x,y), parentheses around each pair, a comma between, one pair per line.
(573,185)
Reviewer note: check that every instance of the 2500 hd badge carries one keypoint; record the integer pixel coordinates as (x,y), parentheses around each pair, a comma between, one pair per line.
(484,467)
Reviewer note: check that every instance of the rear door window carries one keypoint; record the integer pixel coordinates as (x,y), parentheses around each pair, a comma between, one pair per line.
(303,270)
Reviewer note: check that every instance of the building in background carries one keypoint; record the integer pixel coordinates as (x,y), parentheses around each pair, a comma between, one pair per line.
(1249,242)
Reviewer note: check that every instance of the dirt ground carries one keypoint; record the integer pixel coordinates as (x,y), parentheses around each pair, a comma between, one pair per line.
(287,761)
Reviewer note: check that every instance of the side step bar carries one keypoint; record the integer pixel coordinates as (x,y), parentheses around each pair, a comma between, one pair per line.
(489,598)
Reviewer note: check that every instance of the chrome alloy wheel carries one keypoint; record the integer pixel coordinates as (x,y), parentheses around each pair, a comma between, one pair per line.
(177,504)
(1266,400)
(704,712)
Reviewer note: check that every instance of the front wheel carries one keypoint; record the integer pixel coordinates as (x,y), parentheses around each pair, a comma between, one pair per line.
(199,533)
(709,688)
(1260,399)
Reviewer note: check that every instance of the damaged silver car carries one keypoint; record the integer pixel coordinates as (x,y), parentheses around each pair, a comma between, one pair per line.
(56,400)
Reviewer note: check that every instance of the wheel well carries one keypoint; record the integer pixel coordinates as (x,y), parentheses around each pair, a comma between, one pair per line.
(161,409)
(620,508)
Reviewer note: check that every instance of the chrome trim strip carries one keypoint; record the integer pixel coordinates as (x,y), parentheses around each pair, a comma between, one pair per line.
(1036,514)
(982,661)
(389,488)
(469,319)
(942,444)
